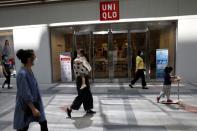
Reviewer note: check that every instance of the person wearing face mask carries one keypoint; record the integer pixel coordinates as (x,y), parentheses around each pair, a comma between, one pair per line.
(29,106)
(139,71)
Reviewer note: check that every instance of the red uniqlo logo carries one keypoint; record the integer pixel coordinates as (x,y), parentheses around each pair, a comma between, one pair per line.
(109,10)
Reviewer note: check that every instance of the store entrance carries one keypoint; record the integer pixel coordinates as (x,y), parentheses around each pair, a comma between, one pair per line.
(110,56)
(118,55)
(107,54)
(112,48)
(100,56)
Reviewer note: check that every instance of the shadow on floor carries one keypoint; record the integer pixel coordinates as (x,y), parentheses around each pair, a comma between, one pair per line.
(83,122)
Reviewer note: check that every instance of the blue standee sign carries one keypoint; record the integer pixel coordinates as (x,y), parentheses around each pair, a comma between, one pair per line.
(161,62)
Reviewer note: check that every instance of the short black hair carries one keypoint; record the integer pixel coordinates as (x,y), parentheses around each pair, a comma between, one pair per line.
(139,52)
(82,52)
(23,55)
(168,69)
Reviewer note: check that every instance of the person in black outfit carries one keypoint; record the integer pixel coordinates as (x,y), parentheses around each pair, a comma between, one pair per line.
(84,96)
(6,71)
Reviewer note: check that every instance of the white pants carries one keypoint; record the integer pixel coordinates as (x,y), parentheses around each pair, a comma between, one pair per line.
(166,90)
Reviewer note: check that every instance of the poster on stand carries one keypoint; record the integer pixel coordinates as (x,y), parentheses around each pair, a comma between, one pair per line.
(161,62)
(65,63)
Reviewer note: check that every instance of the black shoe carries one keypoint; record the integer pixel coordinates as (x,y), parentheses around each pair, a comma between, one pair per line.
(130,86)
(144,87)
(90,112)
(3,85)
(68,112)
(9,87)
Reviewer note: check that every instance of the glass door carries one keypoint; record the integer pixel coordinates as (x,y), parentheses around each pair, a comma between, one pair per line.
(83,41)
(118,55)
(138,42)
(100,55)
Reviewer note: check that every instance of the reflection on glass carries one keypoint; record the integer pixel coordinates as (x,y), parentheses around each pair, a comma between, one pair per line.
(138,41)
(119,55)
(7,54)
(154,44)
(101,56)
(60,42)
(161,39)
(83,42)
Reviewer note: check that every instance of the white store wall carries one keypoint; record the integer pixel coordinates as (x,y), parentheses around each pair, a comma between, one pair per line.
(89,11)
(186,55)
(36,38)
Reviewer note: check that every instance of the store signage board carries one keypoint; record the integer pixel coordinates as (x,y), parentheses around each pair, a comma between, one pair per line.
(109,10)
(65,63)
(161,62)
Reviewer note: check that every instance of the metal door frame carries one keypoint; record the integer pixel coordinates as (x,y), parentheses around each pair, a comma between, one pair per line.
(112,79)
(89,33)
(110,41)
(93,57)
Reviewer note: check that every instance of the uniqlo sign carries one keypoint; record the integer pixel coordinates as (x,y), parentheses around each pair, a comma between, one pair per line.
(109,10)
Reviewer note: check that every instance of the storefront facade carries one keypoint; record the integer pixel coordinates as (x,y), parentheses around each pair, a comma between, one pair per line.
(111,45)
(112,48)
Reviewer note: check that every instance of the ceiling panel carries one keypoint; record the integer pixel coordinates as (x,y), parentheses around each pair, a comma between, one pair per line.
(7,3)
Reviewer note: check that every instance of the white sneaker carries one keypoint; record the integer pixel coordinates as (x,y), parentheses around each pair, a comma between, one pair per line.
(83,86)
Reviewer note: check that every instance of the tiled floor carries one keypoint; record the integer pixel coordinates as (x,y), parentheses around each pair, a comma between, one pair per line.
(118,107)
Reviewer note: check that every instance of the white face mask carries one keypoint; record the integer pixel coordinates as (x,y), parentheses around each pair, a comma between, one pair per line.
(35,60)
(141,54)
(78,55)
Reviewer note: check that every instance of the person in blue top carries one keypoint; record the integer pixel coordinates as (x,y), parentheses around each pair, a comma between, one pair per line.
(29,106)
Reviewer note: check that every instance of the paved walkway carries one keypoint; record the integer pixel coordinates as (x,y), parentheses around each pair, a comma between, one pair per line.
(118,107)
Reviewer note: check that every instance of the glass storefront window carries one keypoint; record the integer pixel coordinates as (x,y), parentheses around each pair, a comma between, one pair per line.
(61,41)
(164,38)
(119,59)
(112,48)
(101,64)
(7,56)
(138,42)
